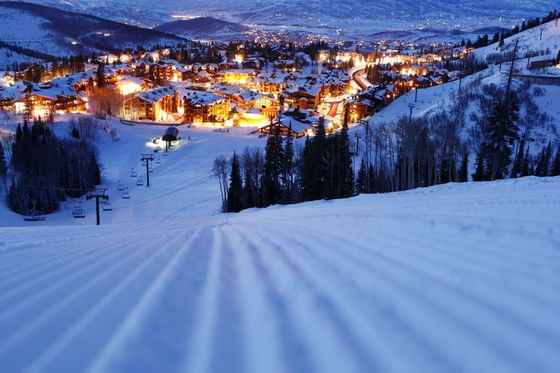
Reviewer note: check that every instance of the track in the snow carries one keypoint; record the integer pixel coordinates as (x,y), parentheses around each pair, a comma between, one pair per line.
(380,284)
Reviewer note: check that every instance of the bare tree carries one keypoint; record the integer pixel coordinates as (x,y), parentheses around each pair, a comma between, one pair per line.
(106,102)
(221,172)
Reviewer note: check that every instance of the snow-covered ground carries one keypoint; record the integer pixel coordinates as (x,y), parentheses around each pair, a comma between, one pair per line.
(454,278)
(544,38)
(9,57)
(28,31)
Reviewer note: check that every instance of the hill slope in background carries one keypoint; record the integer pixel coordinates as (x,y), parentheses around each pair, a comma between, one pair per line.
(207,28)
(57,32)
(375,16)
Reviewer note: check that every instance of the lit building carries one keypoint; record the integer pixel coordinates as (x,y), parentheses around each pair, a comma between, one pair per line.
(236,76)
(204,108)
(160,104)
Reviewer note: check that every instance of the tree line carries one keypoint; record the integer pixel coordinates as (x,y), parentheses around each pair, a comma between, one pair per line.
(46,169)
(484,40)
(406,154)
(284,174)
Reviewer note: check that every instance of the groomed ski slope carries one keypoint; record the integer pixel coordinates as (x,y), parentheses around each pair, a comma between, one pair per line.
(454,278)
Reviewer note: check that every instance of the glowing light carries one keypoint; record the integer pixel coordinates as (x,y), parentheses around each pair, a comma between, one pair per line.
(40,112)
(127,87)
(20,107)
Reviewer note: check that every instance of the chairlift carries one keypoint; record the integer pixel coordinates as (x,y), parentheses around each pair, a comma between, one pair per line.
(120,187)
(34,216)
(107,206)
(78,212)
(133,173)
(126,195)
(140,181)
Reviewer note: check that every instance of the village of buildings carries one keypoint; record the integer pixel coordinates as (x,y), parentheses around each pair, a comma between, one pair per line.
(291,88)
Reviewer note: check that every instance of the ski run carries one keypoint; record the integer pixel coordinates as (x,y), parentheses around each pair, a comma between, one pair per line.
(453,278)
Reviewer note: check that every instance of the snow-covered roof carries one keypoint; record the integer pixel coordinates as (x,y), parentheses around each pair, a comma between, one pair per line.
(157,94)
(200,97)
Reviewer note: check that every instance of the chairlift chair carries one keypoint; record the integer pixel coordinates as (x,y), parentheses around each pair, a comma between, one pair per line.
(133,173)
(78,212)
(140,181)
(107,206)
(33,216)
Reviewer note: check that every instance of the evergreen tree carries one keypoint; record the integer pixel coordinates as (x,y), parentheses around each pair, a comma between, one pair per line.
(518,163)
(47,169)
(3,166)
(501,133)
(235,191)
(315,167)
(273,164)
(288,168)
(543,163)
(361,182)
(464,171)
(526,165)
(372,179)
(345,172)
(101,75)
(555,170)
(480,172)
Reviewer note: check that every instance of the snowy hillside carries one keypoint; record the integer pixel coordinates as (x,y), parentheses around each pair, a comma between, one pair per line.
(539,114)
(452,278)
(529,41)
(363,14)
(9,57)
(204,28)
(55,32)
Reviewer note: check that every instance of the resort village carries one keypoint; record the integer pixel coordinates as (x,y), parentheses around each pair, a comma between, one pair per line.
(243,84)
